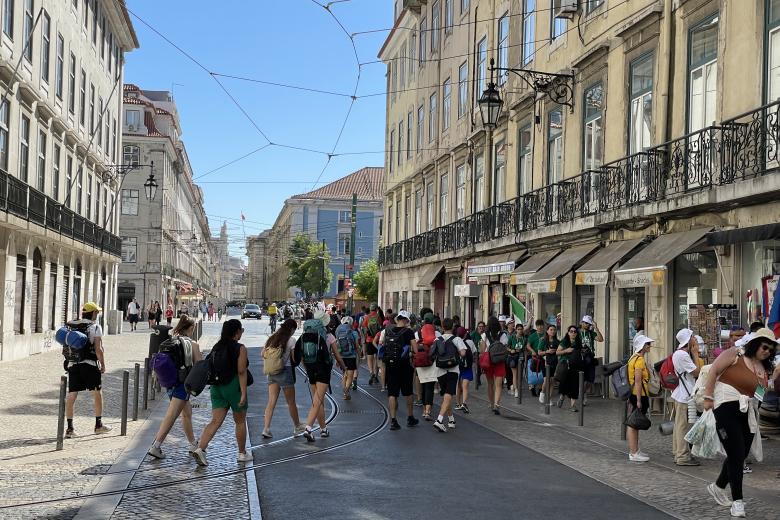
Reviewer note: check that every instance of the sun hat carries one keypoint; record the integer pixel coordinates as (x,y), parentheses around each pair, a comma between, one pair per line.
(765,333)
(91,307)
(404,315)
(587,319)
(502,318)
(640,340)
(683,338)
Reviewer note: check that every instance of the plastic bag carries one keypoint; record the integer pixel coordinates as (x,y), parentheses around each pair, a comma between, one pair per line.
(757,448)
(704,437)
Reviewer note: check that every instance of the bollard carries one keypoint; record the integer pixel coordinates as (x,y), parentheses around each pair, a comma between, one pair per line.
(61,412)
(581,383)
(125,384)
(146,383)
(547,387)
(136,383)
(152,385)
(478,374)
(623,419)
(519,383)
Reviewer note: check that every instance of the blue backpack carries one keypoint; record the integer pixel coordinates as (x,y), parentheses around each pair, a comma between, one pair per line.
(74,338)
(346,341)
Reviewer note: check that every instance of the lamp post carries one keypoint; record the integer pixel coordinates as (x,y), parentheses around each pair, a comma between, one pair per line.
(122,170)
(558,88)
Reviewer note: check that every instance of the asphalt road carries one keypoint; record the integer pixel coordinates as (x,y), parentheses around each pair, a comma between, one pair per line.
(364,470)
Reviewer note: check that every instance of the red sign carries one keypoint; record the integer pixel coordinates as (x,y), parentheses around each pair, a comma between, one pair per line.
(350,267)
(347,283)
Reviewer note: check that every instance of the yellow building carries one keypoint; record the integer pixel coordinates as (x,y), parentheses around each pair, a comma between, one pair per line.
(646,194)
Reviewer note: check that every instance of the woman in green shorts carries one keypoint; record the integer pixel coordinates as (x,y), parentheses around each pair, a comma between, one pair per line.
(230,366)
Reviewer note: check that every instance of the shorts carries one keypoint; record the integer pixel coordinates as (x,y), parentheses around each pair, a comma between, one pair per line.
(350,363)
(285,378)
(179,392)
(645,402)
(371,349)
(399,380)
(84,376)
(496,370)
(132,318)
(227,396)
(467,374)
(513,360)
(318,373)
(448,383)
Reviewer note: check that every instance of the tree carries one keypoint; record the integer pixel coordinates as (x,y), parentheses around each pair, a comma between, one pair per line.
(296,257)
(367,280)
(309,266)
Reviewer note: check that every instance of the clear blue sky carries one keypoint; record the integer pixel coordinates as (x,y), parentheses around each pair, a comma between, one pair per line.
(288,41)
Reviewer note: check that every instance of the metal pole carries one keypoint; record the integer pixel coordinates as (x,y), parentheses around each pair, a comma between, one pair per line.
(61,412)
(146,383)
(548,388)
(581,420)
(322,271)
(520,374)
(623,418)
(352,254)
(136,385)
(125,384)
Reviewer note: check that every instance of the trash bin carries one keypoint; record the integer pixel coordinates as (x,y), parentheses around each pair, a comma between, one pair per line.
(159,334)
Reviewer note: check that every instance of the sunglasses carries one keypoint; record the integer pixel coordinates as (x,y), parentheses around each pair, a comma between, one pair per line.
(768,348)
(572,331)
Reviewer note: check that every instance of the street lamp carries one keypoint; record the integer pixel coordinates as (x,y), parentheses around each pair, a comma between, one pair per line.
(150,186)
(490,106)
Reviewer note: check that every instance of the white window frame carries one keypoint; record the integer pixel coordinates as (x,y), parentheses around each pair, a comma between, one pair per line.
(460,191)
(479,182)
(129,250)
(130,201)
(482,65)
(420,127)
(446,104)
(433,117)
(430,201)
(593,131)
(640,130)
(444,194)
(503,47)
(131,155)
(40,184)
(409,134)
(463,89)
(418,201)
(435,26)
(554,149)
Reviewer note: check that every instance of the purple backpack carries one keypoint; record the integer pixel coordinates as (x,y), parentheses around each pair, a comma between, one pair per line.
(165,369)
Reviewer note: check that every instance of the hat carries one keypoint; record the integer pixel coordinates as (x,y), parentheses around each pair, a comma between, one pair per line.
(323,316)
(683,337)
(403,315)
(91,307)
(587,319)
(428,317)
(510,320)
(502,318)
(373,307)
(346,320)
(699,339)
(744,340)
(640,340)
(765,333)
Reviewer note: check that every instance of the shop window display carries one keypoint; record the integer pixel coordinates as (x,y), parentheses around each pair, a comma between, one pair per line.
(695,282)
(760,273)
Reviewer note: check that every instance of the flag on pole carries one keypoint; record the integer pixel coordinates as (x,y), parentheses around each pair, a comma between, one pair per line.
(517,309)
(242,216)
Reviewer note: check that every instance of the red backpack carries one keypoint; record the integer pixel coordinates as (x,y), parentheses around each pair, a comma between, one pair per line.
(428,334)
(669,378)
(422,357)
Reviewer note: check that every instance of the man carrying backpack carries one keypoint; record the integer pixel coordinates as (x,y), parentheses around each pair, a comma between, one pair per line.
(347,339)
(85,373)
(371,326)
(399,342)
(686,368)
(448,351)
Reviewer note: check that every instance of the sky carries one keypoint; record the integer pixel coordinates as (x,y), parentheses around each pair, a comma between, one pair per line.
(295,42)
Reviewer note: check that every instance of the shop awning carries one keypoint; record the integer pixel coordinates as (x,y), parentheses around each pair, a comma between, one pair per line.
(596,270)
(649,265)
(430,275)
(748,234)
(492,265)
(546,278)
(528,268)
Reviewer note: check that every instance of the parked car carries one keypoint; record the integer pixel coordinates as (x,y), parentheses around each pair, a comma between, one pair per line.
(251,311)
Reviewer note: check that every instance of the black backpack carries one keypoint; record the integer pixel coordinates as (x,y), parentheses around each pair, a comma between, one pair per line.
(394,350)
(223,360)
(446,353)
(467,361)
(70,351)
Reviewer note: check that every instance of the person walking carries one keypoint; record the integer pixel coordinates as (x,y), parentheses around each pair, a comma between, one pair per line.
(169,314)
(230,368)
(548,348)
(448,351)
(133,312)
(517,342)
(157,313)
(466,374)
(399,342)
(151,312)
(638,377)
(370,326)
(589,336)
(736,379)
(282,344)
(535,359)
(179,397)
(86,372)
(686,367)
(348,340)
(496,372)
(570,351)
(423,365)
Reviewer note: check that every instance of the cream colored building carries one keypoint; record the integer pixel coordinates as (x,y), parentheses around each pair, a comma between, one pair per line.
(61,66)
(654,192)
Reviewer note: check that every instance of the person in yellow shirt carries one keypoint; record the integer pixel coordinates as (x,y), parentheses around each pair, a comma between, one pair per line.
(638,377)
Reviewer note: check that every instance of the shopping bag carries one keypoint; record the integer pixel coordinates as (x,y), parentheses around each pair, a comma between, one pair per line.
(704,437)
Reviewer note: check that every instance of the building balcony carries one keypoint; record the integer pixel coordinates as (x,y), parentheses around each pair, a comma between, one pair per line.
(665,179)
(25,202)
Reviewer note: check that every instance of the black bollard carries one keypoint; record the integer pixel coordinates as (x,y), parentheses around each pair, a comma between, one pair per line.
(61,412)
(146,383)
(520,375)
(136,386)
(581,383)
(125,385)
(624,417)
(547,387)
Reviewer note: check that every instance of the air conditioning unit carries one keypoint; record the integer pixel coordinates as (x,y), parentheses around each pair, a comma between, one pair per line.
(565,8)
(131,128)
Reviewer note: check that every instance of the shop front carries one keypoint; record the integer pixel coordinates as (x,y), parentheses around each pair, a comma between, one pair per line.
(549,302)
(432,279)
(468,295)
(493,274)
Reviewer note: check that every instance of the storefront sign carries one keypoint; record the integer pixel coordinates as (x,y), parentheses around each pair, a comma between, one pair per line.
(491,269)
(480,280)
(639,279)
(505,278)
(545,286)
(595,278)
(467,290)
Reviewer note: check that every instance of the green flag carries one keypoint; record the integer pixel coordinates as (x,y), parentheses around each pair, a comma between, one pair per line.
(518,310)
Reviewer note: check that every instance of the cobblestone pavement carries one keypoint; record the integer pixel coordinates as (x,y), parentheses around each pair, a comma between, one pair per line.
(30,468)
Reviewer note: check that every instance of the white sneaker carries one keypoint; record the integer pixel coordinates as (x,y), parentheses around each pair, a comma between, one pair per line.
(638,457)
(245,457)
(720,495)
(200,457)
(156,453)
(516,392)
(439,426)
(738,509)
(451,425)
(267,434)
(541,397)
(192,447)
(298,430)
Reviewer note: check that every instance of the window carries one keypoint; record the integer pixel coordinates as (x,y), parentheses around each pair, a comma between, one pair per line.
(24,149)
(8,18)
(90,182)
(773,47)
(448,15)
(435,27)
(110,61)
(641,111)
(433,118)
(55,173)
(400,153)
(402,68)
(68,180)
(345,217)
(113,139)
(463,88)
(499,172)
(103,39)
(129,202)
(4,125)
(98,122)
(397,219)
(464,6)
(482,65)
(423,38)
(72,84)
(91,108)
(525,158)
(132,155)
(446,104)
(391,155)
(503,46)
(460,191)
(79,188)
(703,74)
(409,129)
(83,98)
(429,194)
(391,73)
(444,207)
(420,127)
(107,124)
(129,250)
(554,146)
(529,31)
(344,243)
(592,5)
(28,29)
(41,161)
(98,191)
(94,22)
(59,68)
(593,132)
(479,182)
(86,16)
(407,211)
(557,26)
(19,294)
(412,57)
(45,46)
(133,119)
(418,195)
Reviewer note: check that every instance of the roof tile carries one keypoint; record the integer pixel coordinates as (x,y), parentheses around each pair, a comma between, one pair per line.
(367,182)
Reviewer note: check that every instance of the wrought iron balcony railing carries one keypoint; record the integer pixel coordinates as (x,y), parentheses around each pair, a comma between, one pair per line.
(739,148)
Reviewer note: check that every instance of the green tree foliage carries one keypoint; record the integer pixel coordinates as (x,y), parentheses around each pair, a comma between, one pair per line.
(305,265)
(367,280)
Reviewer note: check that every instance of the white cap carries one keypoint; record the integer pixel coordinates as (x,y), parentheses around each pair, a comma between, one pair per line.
(587,319)
(509,320)
(502,318)
(683,337)
(744,340)
(699,339)
(404,314)
(640,340)
(346,320)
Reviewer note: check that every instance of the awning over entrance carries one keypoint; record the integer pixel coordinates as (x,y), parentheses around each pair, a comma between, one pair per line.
(649,265)
(546,278)
(596,270)
(430,275)
(748,234)
(528,268)
(492,265)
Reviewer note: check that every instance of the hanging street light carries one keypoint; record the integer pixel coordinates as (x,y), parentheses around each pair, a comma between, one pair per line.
(490,106)
(150,187)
